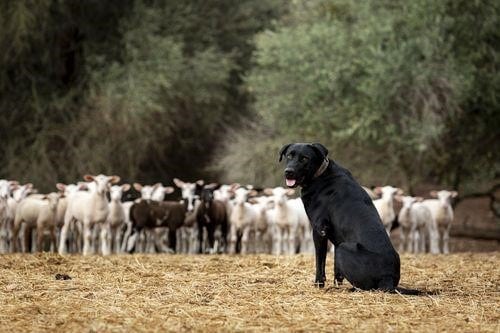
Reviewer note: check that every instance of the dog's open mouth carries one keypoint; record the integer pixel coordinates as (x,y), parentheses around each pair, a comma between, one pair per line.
(290,182)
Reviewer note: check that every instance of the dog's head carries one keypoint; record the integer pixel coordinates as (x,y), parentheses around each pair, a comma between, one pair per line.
(304,161)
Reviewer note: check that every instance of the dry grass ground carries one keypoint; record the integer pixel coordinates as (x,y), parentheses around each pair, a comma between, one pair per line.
(157,293)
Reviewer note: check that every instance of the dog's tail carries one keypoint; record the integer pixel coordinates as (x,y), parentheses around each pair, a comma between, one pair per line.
(406,291)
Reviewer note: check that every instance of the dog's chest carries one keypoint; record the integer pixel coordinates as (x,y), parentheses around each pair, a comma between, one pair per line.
(318,212)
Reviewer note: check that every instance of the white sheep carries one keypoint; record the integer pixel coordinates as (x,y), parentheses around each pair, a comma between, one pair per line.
(36,212)
(263,227)
(6,215)
(242,219)
(385,205)
(188,233)
(287,221)
(442,212)
(115,220)
(416,223)
(90,208)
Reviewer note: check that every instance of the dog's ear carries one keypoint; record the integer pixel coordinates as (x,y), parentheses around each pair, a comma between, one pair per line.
(320,149)
(283,151)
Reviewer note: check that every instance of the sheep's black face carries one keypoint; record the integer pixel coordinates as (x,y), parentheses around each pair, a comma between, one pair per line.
(302,162)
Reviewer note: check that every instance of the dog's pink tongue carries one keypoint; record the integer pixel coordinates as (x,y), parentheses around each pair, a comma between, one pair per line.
(290,182)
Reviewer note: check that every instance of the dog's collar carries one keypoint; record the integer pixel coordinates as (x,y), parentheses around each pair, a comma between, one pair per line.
(322,168)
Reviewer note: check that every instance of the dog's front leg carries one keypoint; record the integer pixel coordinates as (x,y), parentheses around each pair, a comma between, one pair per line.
(320,245)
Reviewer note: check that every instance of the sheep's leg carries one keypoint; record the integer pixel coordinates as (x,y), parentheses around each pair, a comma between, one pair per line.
(105,236)
(292,233)
(53,238)
(421,231)
(258,241)
(128,230)
(233,237)
(446,240)
(62,237)
(39,238)
(277,240)
(3,236)
(433,233)
(15,234)
(402,239)
(27,239)
(244,240)
(87,238)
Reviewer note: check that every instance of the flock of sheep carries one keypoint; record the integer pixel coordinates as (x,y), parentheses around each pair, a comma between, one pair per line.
(90,217)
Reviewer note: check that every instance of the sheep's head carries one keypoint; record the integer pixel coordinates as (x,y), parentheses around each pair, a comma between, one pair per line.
(444,196)
(190,191)
(101,183)
(6,188)
(388,191)
(116,191)
(159,192)
(279,194)
(52,199)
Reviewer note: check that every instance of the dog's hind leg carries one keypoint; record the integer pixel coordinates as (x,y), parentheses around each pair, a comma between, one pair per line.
(362,268)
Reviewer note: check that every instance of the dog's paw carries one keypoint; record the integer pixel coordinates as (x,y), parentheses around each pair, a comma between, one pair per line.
(319,284)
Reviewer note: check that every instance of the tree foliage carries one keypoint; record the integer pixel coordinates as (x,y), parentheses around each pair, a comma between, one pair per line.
(400,91)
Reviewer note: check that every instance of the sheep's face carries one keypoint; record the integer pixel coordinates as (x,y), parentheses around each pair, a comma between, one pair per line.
(101,183)
(390,192)
(115,193)
(190,191)
(304,162)
(22,191)
(444,196)
(279,194)
(53,199)
(240,195)
(408,201)
(159,192)
(223,193)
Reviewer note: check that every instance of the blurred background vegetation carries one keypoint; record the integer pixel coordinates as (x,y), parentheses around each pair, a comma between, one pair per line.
(401,92)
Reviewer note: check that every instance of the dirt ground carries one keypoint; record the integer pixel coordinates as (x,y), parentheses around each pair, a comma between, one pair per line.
(158,293)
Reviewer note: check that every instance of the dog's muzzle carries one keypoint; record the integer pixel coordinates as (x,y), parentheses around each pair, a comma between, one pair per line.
(290,179)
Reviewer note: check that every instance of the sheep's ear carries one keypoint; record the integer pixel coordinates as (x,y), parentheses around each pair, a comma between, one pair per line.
(454,194)
(433,194)
(88,178)
(234,187)
(283,151)
(114,179)
(29,186)
(419,199)
(169,189)
(399,191)
(268,191)
(125,187)
(290,192)
(61,187)
(137,186)
(155,186)
(212,186)
(178,182)
(200,182)
(320,149)
(253,193)
(253,200)
(377,190)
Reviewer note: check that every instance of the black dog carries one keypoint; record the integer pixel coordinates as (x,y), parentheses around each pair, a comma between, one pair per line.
(342,212)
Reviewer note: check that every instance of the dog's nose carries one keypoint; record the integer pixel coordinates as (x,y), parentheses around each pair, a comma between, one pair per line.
(289,173)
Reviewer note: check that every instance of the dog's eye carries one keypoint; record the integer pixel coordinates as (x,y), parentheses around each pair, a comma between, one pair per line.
(289,156)
(303,159)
